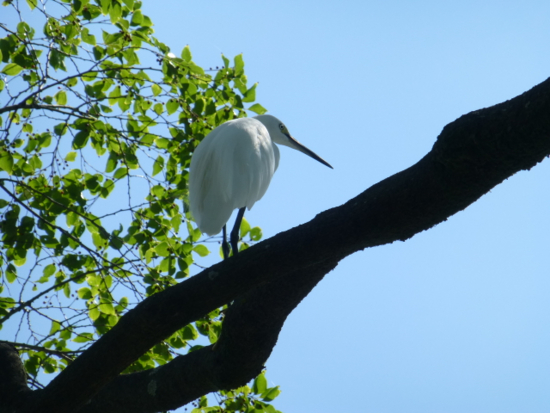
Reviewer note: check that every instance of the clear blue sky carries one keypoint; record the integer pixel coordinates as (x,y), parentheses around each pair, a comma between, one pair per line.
(456,319)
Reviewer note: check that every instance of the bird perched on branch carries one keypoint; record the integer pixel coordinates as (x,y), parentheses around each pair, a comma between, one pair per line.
(232,168)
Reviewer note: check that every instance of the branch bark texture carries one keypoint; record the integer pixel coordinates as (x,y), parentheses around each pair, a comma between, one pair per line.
(471,156)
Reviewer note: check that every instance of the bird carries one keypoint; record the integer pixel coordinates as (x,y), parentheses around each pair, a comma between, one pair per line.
(232,167)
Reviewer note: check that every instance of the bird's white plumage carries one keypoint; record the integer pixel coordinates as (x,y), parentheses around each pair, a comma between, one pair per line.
(230,169)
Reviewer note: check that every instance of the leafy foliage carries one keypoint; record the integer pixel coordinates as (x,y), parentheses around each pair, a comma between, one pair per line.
(98,121)
(243,399)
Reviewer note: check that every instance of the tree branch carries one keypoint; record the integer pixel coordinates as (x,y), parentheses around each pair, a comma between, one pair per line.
(250,331)
(13,378)
(66,110)
(472,155)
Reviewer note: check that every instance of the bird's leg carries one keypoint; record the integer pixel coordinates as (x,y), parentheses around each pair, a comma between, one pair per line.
(235,232)
(225,245)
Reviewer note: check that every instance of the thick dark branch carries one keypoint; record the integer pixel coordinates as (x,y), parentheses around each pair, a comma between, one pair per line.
(13,378)
(250,332)
(472,155)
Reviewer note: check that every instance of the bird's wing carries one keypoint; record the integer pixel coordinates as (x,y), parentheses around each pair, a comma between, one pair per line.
(253,160)
(231,168)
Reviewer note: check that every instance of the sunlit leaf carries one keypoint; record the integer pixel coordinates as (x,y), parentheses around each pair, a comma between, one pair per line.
(61,97)
(186,54)
(158,165)
(12,69)
(260,384)
(6,161)
(201,250)
(257,108)
(271,394)
(171,106)
(70,157)
(32,4)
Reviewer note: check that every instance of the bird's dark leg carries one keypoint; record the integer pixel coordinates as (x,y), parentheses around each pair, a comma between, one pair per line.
(235,232)
(225,245)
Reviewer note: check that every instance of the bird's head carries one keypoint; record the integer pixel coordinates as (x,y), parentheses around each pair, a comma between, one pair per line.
(280,135)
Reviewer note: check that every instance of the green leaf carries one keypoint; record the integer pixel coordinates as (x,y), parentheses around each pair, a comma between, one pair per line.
(94,313)
(6,161)
(271,394)
(72,82)
(71,156)
(87,37)
(67,290)
(55,327)
(11,274)
(158,165)
(89,76)
(61,98)
(172,105)
(115,12)
(107,188)
(120,173)
(163,249)
(189,333)
(250,94)
(83,338)
(57,60)
(201,250)
(137,18)
(93,280)
(98,241)
(12,69)
(49,270)
(112,163)
(32,3)
(162,143)
(256,234)
(225,61)
(260,384)
(156,89)
(60,129)
(85,293)
(81,139)
(107,308)
(239,64)
(146,22)
(186,54)
(158,108)
(122,304)
(158,191)
(257,108)
(245,228)
(116,242)
(99,53)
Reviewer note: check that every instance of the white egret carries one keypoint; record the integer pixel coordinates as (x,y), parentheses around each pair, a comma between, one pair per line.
(232,168)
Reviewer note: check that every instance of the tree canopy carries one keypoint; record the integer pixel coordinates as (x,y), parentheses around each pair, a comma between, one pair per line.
(95,109)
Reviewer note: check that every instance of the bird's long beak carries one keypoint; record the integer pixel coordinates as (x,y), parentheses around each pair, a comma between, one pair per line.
(293,143)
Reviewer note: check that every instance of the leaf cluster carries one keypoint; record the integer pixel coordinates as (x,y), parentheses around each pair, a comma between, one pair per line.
(245,399)
(98,122)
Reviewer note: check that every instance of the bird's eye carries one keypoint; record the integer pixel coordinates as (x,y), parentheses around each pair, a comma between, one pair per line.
(282,127)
